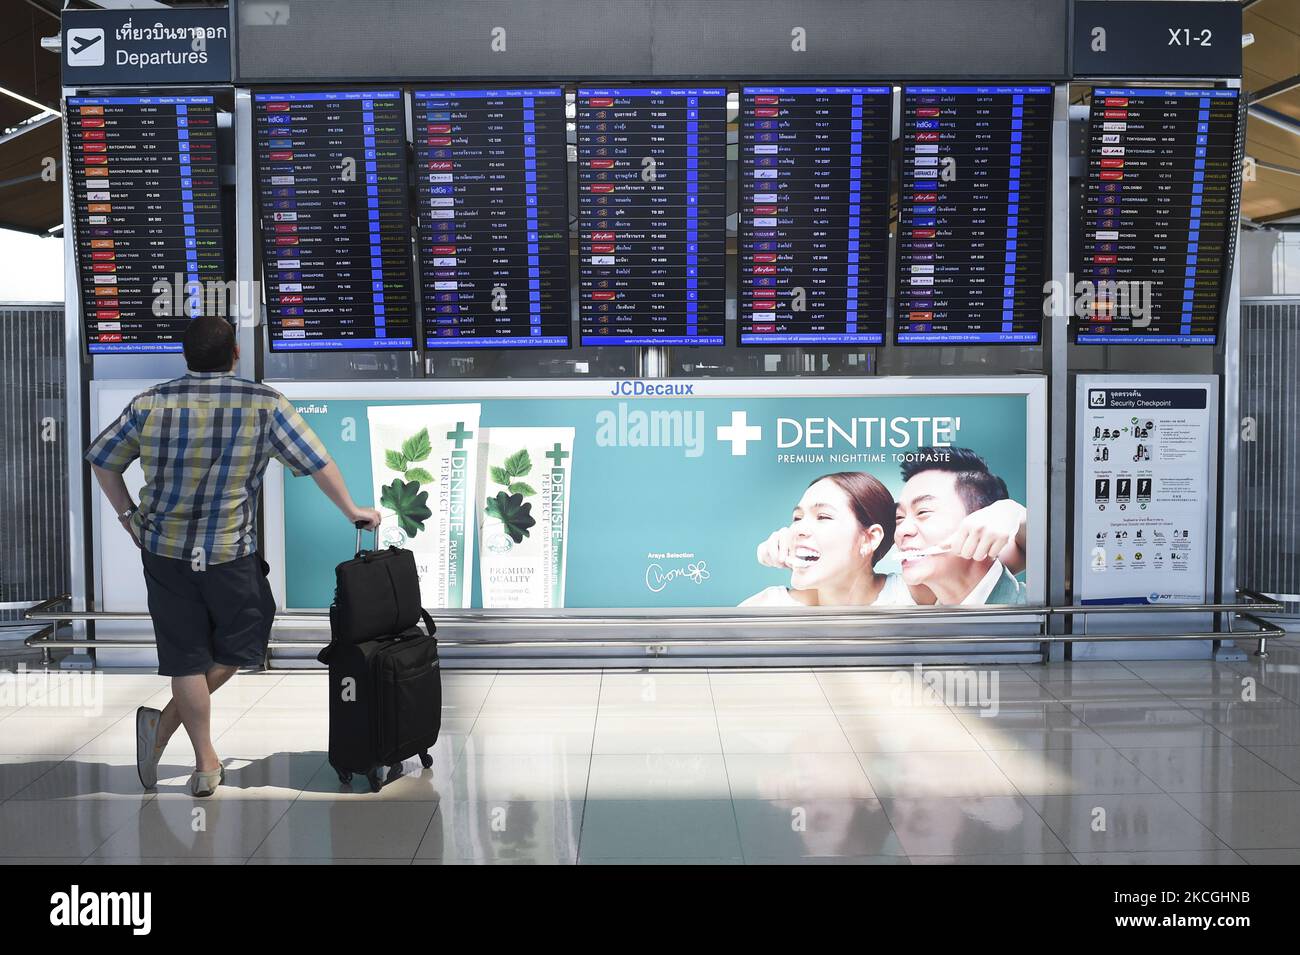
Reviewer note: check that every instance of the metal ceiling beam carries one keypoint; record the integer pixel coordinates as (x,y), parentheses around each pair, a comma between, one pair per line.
(19,180)
(1274,118)
(49,12)
(40,107)
(1275,167)
(126,4)
(26,230)
(1286,85)
(28,128)
(1276,218)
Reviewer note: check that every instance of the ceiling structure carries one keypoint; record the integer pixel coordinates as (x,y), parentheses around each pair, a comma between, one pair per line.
(31,199)
(1271,75)
(30,135)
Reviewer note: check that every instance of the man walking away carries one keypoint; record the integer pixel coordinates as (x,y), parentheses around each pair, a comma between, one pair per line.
(204,441)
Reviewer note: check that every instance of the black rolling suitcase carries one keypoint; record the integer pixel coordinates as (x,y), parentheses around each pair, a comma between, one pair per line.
(385,692)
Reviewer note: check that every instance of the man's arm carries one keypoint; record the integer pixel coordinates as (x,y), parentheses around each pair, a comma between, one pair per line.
(114,487)
(110,454)
(298,449)
(330,480)
(997,530)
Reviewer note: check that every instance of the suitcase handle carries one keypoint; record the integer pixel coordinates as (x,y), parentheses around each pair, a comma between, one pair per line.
(361,526)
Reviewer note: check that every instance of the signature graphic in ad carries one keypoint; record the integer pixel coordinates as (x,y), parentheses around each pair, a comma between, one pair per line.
(658,576)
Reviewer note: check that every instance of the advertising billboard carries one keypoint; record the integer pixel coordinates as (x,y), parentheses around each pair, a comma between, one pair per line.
(759,495)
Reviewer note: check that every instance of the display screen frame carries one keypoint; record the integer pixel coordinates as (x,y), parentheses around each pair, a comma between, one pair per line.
(467,90)
(1231,213)
(867,339)
(632,89)
(222,100)
(1043,88)
(275,344)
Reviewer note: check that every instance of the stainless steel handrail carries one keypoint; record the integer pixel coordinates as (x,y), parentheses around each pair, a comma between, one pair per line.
(47,638)
(829,616)
(1266,631)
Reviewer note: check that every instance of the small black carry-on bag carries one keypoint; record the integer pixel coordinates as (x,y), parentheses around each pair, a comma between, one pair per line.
(385,683)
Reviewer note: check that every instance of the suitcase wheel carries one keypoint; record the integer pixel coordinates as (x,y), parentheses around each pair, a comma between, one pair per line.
(425,759)
(375,779)
(394,772)
(345,777)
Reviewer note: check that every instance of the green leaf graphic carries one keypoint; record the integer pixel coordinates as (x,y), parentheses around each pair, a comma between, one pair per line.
(419,474)
(515,516)
(499,475)
(519,463)
(395,460)
(524,488)
(409,503)
(417,447)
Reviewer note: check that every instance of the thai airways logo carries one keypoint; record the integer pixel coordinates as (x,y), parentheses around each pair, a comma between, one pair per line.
(85,46)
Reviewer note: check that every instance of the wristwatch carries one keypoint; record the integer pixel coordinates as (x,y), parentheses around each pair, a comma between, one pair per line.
(126,515)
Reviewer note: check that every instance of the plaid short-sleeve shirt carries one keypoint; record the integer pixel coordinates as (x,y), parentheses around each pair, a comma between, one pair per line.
(204,441)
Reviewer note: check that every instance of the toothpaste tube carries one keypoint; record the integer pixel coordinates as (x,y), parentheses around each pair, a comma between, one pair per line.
(523,483)
(422,458)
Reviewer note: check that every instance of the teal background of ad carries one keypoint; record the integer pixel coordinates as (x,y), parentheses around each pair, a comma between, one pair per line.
(628,502)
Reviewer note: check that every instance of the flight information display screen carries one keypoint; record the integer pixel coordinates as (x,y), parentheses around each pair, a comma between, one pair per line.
(492,183)
(1157,215)
(814,214)
(146,208)
(335,220)
(973,215)
(652,215)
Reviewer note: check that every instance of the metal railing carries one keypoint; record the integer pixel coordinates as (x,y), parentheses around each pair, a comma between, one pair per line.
(54,616)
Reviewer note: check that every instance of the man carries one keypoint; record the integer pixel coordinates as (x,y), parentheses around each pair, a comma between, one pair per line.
(942,487)
(204,441)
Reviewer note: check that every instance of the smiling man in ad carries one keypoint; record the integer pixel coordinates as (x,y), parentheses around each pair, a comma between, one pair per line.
(955,528)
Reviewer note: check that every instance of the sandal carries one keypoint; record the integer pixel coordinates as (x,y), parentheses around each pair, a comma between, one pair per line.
(205,784)
(147,751)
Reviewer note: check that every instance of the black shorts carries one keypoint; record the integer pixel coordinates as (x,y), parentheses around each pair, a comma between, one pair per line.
(222,614)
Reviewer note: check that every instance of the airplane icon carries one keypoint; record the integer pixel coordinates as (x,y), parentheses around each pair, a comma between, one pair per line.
(86,46)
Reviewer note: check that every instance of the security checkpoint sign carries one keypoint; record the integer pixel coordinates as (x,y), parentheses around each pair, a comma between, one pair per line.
(1145,488)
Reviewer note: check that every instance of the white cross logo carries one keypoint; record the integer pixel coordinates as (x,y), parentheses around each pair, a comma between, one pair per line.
(739,433)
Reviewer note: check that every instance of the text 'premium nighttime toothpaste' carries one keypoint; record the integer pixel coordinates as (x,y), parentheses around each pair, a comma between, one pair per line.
(423,461)
(523,485)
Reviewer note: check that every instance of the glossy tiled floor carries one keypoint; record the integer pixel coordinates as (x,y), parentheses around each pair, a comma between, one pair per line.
(1095,763)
